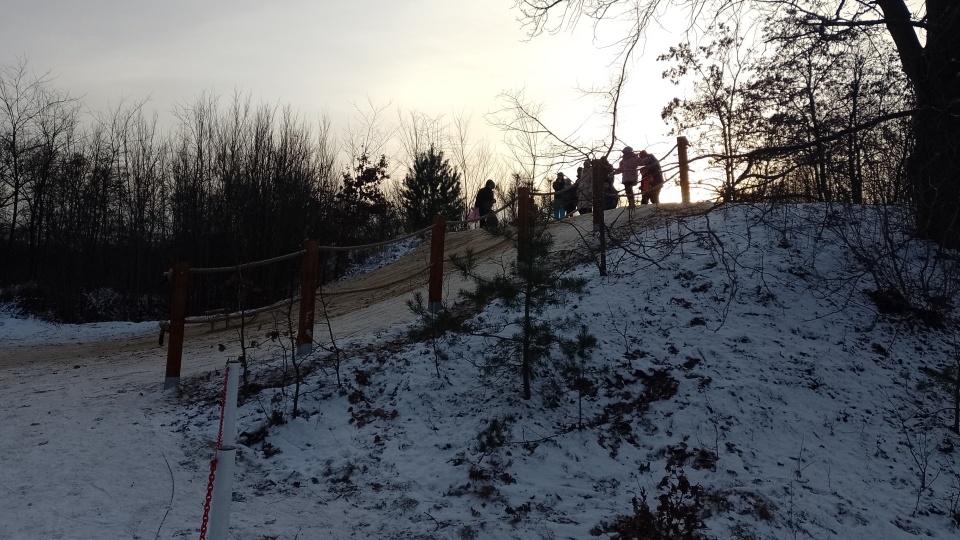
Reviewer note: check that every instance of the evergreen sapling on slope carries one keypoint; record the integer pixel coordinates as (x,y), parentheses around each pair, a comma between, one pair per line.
(525,341)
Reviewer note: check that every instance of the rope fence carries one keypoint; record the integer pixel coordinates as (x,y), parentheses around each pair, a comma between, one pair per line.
(310,256)
(245,266)
(494,212)
(680,166)
(407,236)
(407,277)
(177,277)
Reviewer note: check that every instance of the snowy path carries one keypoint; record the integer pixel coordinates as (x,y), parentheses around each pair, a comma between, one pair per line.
(82,414)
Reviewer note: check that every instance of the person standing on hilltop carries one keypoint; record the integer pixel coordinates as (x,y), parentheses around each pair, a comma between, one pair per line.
(484,203)
(652,176)
(629,164)
(611,198)
(585,188)
(559,197)
(570,194)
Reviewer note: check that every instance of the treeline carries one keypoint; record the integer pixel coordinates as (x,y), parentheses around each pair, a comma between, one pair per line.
(94,212)
(101,208)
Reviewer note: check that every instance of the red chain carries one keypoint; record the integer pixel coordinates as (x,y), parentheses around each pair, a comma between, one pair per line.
(223,404)
(206,502)
(213,462)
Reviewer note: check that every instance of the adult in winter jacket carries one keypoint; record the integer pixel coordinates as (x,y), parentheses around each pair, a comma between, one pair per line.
(570,194)
(559,197)
(585,188)
(651,178)
(629,165)
(484,203)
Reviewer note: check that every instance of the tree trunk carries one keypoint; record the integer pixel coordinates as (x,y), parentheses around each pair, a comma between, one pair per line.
(933,167)
(935,75)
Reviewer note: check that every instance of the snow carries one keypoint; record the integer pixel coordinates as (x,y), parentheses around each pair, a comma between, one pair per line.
(799,398)
(24,330)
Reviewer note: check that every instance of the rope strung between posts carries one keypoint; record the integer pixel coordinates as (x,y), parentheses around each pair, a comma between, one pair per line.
(243,313)
(408,277)
(199,319)
(571,187)
(227,316)
(300,253)
(412,275)
(422,231)
(248,312)
(468,221)
(213,462)
(248,265)
(618,191)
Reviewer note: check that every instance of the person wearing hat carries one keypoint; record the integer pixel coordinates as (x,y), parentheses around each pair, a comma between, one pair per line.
(629,163)
(559,197)
(652,178)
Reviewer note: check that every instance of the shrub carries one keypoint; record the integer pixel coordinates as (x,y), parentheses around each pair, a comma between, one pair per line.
(678,516)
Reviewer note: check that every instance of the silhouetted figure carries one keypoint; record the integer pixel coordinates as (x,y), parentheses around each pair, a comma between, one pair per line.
(484,203)
(629,163)
(559,202)
(585,188)
(570,195)
(652,178)
(610,196)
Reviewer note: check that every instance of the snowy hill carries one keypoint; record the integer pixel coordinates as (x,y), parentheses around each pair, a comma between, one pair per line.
(739,351)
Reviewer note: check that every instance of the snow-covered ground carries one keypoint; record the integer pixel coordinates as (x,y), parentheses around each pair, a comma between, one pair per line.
(14,328)
(740,347)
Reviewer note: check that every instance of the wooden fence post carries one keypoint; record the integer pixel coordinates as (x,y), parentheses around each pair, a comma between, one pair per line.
(684,170)
(435,289)
(178,315)
(308,297)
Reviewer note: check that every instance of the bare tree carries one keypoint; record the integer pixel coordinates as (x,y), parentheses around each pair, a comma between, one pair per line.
(475,160)
(927,39)
(418,133)
(32,118)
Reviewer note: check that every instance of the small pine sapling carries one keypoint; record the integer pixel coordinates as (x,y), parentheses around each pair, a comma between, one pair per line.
(433,326)
(526,288)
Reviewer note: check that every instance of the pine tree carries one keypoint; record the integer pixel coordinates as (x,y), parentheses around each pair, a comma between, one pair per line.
(539,346)
(363,214)
(363,210)
(431,187)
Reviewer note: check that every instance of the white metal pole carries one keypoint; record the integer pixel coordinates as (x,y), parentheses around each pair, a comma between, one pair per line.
(228,435)
(222,493)
(226,458)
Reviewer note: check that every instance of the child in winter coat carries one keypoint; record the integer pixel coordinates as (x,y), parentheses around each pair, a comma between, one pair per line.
(610,196)
(629,163)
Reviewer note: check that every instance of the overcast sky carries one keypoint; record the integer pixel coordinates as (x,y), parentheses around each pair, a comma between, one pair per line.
(324,56)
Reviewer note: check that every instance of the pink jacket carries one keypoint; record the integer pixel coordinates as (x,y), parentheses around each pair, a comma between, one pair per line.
(628,166)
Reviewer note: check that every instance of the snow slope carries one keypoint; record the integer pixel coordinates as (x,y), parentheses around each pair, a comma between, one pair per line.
(728,343)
